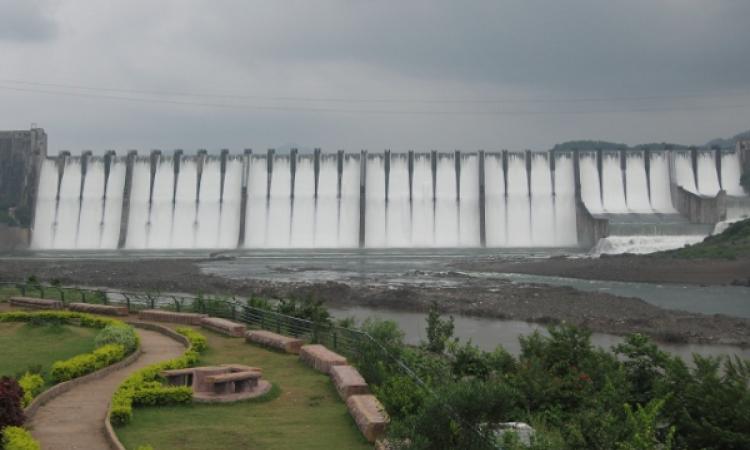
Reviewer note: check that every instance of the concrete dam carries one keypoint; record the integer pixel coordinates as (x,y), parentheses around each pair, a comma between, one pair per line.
(366,199)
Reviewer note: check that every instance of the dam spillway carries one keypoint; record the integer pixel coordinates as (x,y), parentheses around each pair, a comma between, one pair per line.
(366,199)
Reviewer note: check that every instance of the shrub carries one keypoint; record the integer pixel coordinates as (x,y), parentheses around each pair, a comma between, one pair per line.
(198,342)
(117,334)
(16,438)
(55,317)
(87,363)
(11,413)
(439,330)
(142,388)
(32,385)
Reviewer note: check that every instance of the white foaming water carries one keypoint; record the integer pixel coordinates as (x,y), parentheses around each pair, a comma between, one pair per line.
(565,209)
(302,234)
(468,232)
(637,183)
(642,244)
(683,172)
(181,212)
(708,177)
(730,174)
(590,187)
(612,184)
(518,201)
(275,219)
(494,199)
(661,198)
(83,219)
(543,230)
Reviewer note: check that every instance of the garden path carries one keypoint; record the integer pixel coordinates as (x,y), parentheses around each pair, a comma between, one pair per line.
(75,419)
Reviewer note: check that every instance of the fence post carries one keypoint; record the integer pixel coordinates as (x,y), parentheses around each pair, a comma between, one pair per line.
(62,295)
(127,302)
(83,295)
(23,290)
(335,340)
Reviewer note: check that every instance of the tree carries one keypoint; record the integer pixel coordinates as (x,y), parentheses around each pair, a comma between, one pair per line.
(439,330)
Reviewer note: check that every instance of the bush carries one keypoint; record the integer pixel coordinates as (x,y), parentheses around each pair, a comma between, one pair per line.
(32,384)
(87,363)
(142,388)
(198,342)
(11,413)
(117,334)
(57,317)
(16,438)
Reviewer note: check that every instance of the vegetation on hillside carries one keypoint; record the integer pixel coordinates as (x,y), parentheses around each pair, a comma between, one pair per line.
(575,395)
(733,243)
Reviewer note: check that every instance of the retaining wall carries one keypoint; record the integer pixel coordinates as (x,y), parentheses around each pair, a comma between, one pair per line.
(699,209)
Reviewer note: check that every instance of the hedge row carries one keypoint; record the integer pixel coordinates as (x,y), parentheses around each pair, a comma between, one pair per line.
(86,363)
(143,388)
(82,319)
(119,340)
(17,438)
(32,384)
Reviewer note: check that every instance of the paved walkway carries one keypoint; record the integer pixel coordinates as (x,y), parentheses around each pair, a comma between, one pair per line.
(75,419)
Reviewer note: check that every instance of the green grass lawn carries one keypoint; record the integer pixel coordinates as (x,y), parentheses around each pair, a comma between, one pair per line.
(25,345)
(306,414)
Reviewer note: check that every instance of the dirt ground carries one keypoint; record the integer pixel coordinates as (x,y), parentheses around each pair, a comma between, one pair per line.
(599,312)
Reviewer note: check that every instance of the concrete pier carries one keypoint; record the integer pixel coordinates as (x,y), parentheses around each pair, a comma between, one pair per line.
(128,187)
(362,196)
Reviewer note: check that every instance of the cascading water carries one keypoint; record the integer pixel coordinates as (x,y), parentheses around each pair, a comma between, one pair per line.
(707,174)
(591,191)
(683,172)
(637,188)
(410,200)
(661,199)
(730,174)
(613,188)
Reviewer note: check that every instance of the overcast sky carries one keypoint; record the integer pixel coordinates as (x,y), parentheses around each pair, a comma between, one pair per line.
(421,74)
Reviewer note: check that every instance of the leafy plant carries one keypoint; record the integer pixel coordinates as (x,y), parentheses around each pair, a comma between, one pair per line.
(86,363)
(439,330)
(11,412)
(31,384)
(117,334)
(17,438)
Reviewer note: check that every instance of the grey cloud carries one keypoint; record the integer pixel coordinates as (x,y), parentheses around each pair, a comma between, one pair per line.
(26,20)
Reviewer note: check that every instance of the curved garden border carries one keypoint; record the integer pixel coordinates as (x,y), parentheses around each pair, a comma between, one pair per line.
(65,386)
(109,431)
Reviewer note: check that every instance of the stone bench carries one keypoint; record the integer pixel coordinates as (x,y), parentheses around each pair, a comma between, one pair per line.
(159,315)
(233,382)
(35,303)
(274,340)
(178,377)
(320,358)
(348,381)
(93,308)
(369,415)
(224,326)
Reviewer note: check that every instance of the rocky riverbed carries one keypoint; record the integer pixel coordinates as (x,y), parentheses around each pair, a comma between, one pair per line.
(459,294)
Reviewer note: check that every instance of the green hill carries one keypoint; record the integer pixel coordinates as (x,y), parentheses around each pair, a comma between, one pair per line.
(733,243)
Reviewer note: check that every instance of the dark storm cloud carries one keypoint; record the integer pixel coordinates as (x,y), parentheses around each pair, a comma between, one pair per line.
(570,45)
(27,20)
(255,51)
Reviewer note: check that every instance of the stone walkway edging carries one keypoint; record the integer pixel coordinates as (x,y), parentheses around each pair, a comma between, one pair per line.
(109,431)
(65,386)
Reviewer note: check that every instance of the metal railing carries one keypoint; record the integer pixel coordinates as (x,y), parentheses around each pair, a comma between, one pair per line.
(346,341)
